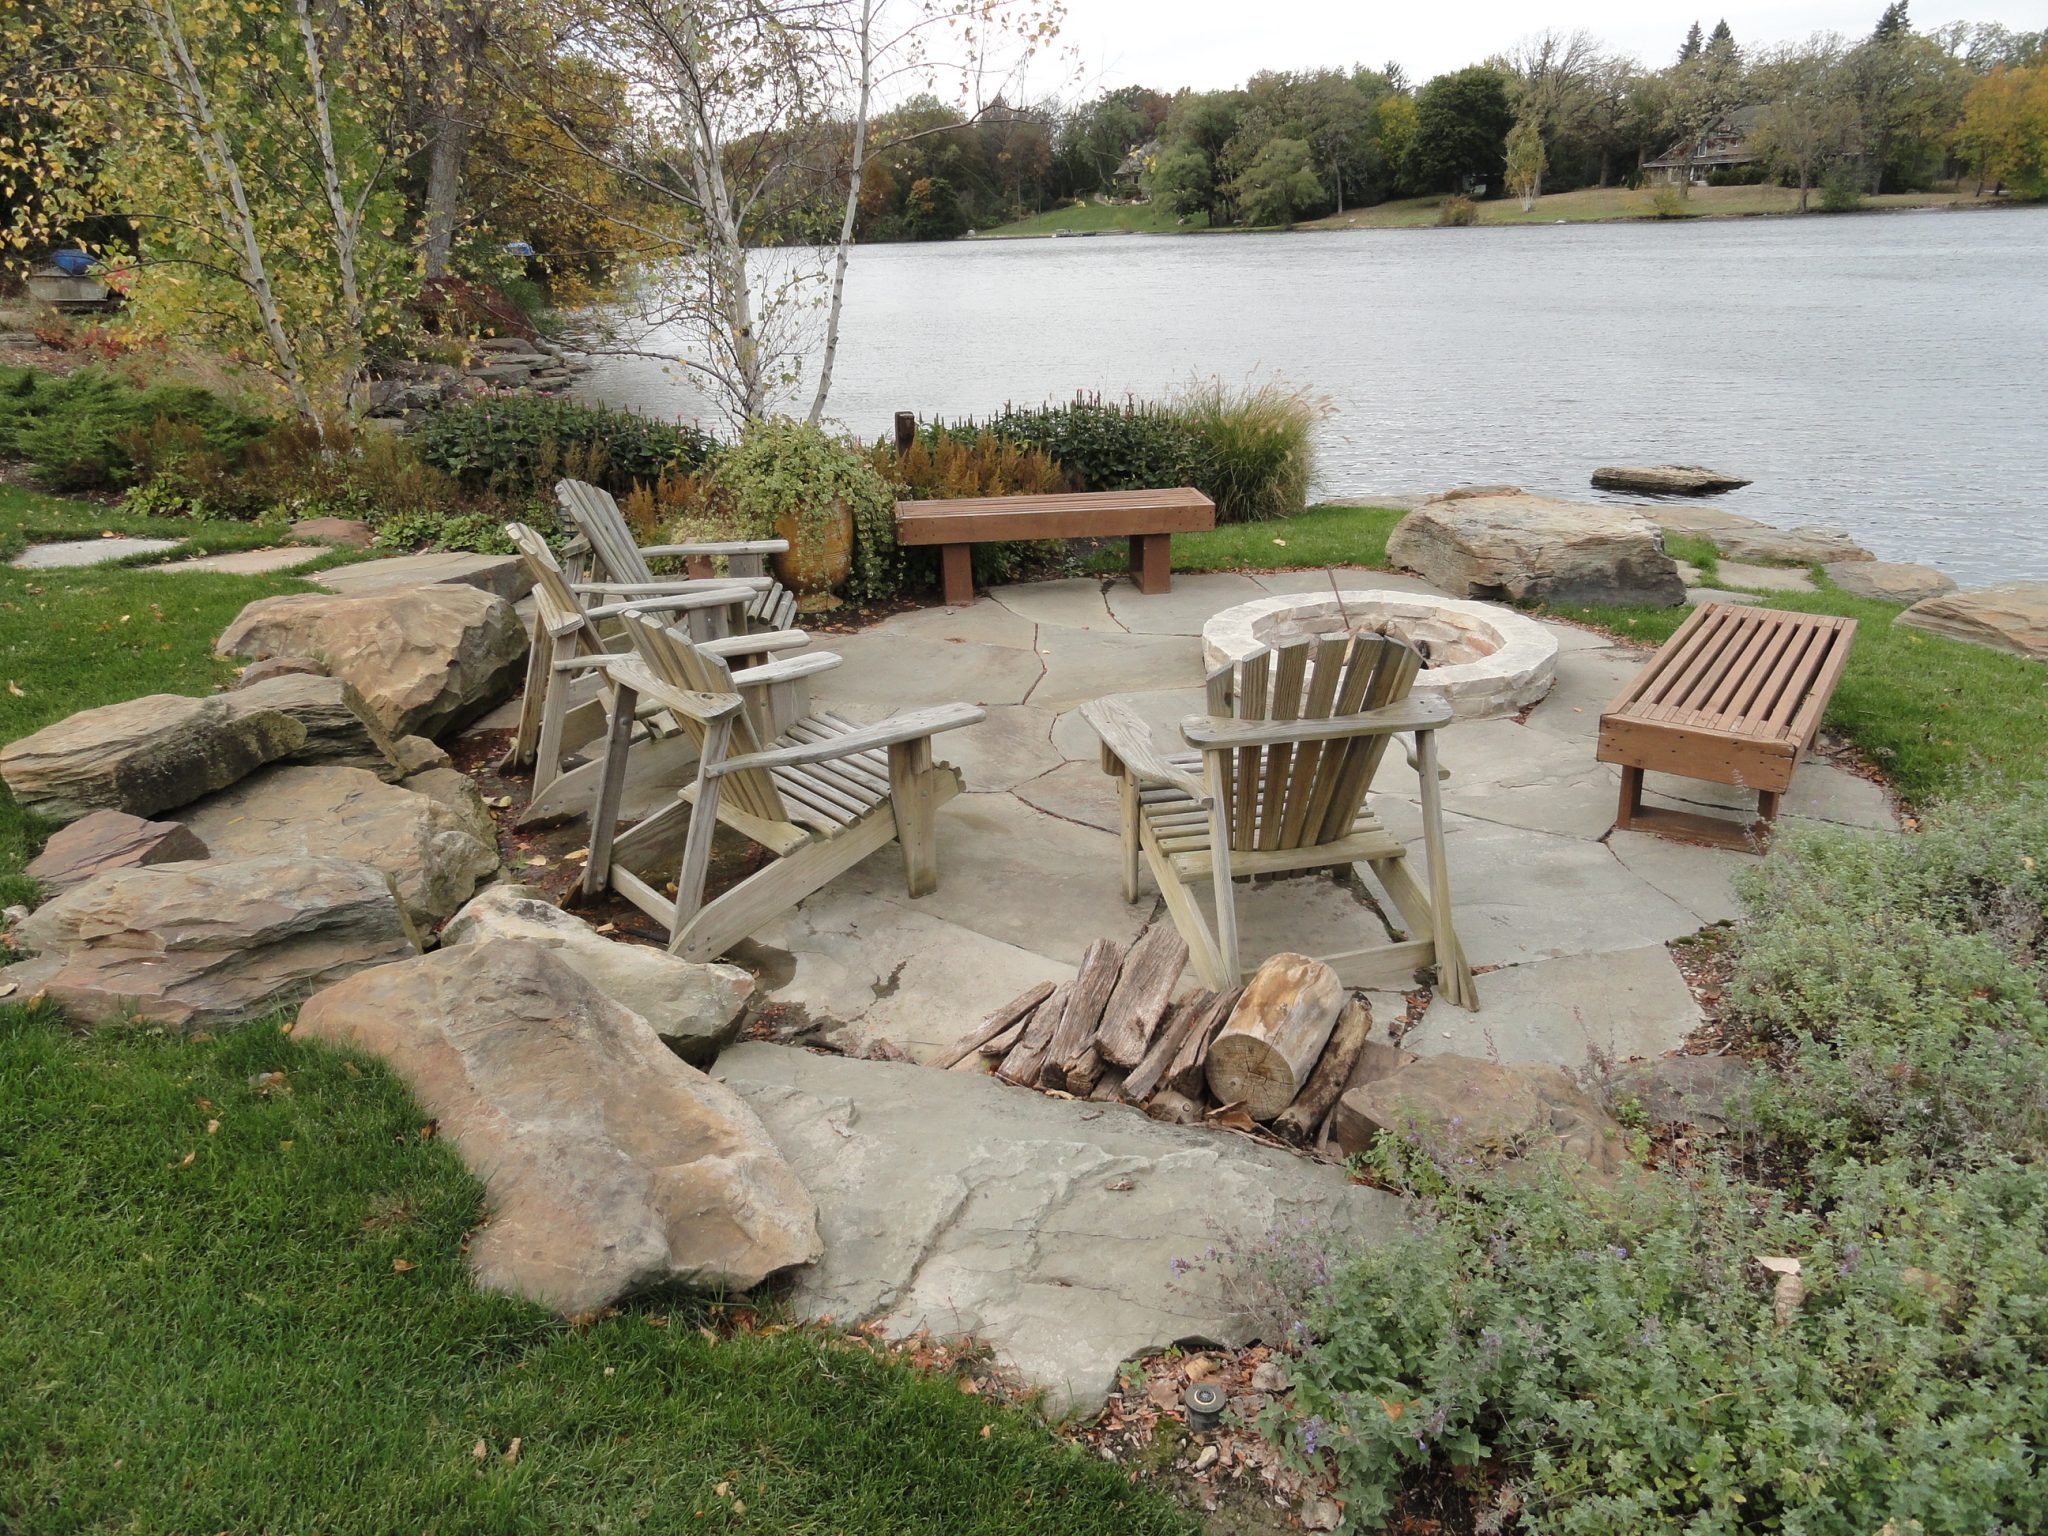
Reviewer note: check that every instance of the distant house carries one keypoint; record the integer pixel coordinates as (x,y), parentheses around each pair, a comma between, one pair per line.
(1131,174)
(1727,143)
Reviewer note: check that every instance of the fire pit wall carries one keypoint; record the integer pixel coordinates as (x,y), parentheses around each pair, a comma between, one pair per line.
(1487,660)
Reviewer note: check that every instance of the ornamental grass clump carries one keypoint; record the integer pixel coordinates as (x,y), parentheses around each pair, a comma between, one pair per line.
(1255,451)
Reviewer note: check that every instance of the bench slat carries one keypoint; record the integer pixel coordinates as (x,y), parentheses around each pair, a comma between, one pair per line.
(1075,515)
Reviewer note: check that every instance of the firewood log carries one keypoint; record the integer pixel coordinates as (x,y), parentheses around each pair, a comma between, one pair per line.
(1143,986)
(1275,1034)
(1028,1054)
(1071,1062)
(1305,1115)
(1190,1063)
(1181,1018)
(1016,1009)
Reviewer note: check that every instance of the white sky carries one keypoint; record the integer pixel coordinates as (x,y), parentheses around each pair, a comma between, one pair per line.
(1209,44)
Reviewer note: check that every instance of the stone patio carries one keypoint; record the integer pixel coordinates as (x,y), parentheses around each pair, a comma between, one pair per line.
(1574,917)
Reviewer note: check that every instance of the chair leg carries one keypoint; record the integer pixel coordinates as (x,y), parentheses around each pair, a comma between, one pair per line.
(1631,797)
(696,865)
(914,799)
(1454,976)
(738,912)
(539,675)
(1127,826)
(611,789)
(1226,895)
(548,761)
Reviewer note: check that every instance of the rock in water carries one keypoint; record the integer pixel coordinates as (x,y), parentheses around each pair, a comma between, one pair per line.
(340,727)
(1889,581)
(1665,479)
(108,840)
(432,857)
(694,1008)
(608,1165)
(1533,549)
(425,659)
(2012,617)
(1068,1236)
(150,754)
(196,945)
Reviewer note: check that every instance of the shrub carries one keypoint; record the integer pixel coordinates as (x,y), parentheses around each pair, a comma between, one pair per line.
(1105,446)
(784,468)
(1457,212)
(1255,448)
(940,467)
(1841,190)
(1667,202)
(519,445)
(86,431)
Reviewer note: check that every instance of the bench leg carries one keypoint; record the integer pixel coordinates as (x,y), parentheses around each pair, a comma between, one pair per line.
(956,574)
(1152,562)
(1631,797)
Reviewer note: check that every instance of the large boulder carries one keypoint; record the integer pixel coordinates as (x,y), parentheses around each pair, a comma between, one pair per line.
(2010,617)
(425,659)
(106,840)
(1521,548)
(341,729)
(1067,1236)
(694,1008)
(608,1164)
(505,575)
(1486,1110)
(1665,479)
(150,754)
(216,942)
(1889,581)
(433,859)
(1744,538)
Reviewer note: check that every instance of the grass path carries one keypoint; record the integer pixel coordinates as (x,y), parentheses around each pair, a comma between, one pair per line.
(207,1322)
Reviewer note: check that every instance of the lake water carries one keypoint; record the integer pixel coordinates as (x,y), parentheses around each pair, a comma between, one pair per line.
(1886,374)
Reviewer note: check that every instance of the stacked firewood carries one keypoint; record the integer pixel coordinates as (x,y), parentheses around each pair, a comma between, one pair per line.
(1277,1052)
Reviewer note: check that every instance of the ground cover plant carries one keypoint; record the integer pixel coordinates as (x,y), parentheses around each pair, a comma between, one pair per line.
(92,430)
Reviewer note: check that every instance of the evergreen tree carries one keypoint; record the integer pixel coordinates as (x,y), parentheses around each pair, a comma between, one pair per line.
(1723,38)
(1691,48)
(1893,23)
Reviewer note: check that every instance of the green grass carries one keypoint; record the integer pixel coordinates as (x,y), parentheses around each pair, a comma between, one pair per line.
(1599,205)
(1118,218)
(1700,553)
(1936,716)
(210,1331)
(226,1344)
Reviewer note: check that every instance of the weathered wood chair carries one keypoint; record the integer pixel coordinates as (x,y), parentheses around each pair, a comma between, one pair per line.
(620,561)
(1277,782)
(566,703)
(817,792)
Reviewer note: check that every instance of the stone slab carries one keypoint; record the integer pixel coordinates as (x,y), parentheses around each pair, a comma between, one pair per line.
(1521,777)
(1820,792)
(1049,1229)
(2012,617)
(893,672)
(1074,791)
(1012,745)
(1074,603)
(1700,879)
(249,562)
(69,554)
(1563,1012)
(1766,578)
(985,622)
(504,575)
(1083,664)
(1889,581)
(1293,581)
(1196,596)
(1162,709)
(1586,683)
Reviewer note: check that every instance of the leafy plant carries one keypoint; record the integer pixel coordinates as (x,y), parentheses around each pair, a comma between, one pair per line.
(783,468)
(1841,190)
(937,467)
(519,444)
(88,430)
(1457,212)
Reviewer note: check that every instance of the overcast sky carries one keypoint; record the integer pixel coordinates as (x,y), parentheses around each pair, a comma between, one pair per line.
(1208,44)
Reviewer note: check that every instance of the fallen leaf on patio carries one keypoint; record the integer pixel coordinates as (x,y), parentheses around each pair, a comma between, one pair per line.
(536,861)
(1233,1116)
(580,853)
(970,1386)
(402,1267)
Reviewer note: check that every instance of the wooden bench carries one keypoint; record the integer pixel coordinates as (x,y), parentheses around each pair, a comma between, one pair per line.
(1148,518)
(1735,697)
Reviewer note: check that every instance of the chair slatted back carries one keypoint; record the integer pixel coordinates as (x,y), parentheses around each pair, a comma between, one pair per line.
(1299,794)
(598,518)
(670,656)
(553,601)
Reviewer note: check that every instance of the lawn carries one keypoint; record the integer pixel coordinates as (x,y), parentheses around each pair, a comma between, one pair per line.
(246,1311)
(1936,716)
(1593,205)
(1097,218)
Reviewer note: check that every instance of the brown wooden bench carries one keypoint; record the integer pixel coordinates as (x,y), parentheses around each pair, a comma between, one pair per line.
(1148,518)
(1734,697)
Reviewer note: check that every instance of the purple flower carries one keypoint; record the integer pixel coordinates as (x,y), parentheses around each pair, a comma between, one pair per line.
(1621,1253)
(1311,1434)
(1180,1266)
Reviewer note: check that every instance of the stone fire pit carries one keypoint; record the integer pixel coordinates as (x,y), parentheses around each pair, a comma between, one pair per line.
(1487,660)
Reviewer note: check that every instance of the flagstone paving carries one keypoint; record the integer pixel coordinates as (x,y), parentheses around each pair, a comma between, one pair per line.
(1571,917)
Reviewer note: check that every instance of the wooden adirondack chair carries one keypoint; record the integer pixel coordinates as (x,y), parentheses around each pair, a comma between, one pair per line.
(566,704)
(1277,782)
(817,792)
(621,562)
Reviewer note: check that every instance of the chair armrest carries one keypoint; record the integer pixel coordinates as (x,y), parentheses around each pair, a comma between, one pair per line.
(686,602)
(677,584)
(787,670)
(631,672)
(754,645)
(1427,713)
(914,726)
(1130,743)
(729,547)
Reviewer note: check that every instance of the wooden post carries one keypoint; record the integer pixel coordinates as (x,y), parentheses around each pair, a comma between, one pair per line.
(1152,562)
(1631,797)
(1275,1035)
(906,430)
(956,574)
(914,798)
